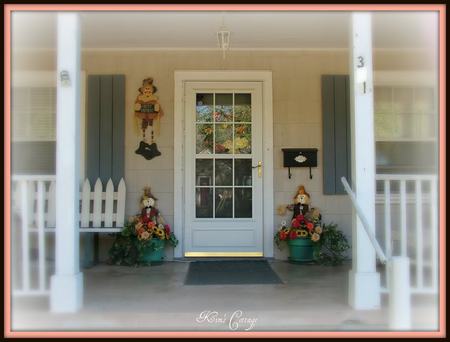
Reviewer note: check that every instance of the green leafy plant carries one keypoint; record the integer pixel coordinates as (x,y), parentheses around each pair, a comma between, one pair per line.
(129,245)
(331,247)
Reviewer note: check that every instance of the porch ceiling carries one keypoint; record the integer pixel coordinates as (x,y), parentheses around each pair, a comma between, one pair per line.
(249,30)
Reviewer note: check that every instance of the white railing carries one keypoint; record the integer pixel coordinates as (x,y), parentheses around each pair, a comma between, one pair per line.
(33,217)
(407,224)
(397,268)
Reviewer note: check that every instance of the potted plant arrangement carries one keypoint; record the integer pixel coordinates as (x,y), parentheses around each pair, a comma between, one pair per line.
(142,240)
(332,247)
(308,239)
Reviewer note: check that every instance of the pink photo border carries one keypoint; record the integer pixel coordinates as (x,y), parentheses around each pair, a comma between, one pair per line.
(441,9)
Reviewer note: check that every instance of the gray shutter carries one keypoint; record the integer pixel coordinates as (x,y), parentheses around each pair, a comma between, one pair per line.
(105,134)
(118,128)
(336,133)
(92,129)
(105,128)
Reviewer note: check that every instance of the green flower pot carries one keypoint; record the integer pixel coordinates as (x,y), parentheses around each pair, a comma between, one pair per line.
(155,254)
(301,250)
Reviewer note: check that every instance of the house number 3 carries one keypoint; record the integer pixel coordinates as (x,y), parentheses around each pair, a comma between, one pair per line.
(361,62)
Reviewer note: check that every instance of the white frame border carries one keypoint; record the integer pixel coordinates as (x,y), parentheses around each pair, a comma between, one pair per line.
(264,76)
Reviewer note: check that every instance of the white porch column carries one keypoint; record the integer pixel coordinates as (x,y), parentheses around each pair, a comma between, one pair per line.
(67,283)
(364,281)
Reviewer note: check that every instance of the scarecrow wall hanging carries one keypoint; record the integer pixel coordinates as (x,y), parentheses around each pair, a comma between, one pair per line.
(147,109)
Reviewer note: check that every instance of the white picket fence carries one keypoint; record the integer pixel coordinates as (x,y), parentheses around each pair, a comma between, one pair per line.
(33,224)
(407,223)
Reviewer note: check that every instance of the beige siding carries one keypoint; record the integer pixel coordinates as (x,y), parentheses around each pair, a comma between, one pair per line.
(297,113)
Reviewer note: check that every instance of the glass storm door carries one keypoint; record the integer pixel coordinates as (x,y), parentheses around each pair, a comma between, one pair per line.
(223,169)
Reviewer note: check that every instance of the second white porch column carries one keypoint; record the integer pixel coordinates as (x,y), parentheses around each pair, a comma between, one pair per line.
(67,283)
(364,281)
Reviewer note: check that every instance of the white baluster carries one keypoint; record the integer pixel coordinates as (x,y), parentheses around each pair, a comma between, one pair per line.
(403,237)
(41,234)
(419,235)
(25,237)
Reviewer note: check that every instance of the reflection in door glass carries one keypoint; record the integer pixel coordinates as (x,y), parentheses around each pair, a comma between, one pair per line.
(243,172)
(242,108)
(243,202)
(224,202)
(224,107)
(204,139)
(204,202)
(203,172)
(224,172)
(224,138)
(243,139)
(204,107)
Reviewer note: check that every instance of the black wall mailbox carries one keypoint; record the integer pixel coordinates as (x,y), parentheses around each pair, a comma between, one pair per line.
(299,157)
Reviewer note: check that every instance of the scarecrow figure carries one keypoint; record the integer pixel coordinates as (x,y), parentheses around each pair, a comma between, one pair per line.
(147,108)
(301,202)
(149,213)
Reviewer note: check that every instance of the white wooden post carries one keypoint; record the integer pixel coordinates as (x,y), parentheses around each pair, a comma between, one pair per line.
(67,283)
(364,281)
(399,293)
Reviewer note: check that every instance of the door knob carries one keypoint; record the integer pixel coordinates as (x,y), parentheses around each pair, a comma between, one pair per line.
(259,166)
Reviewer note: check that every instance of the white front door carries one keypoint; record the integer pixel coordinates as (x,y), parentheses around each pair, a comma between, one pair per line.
(223,169)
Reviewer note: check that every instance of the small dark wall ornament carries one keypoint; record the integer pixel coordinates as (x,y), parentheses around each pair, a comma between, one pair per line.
(147,109)
(299,157)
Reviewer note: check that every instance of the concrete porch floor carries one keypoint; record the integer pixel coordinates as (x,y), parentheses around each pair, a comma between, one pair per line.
(117,298)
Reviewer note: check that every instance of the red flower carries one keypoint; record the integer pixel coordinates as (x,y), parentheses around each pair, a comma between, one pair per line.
(295,223)
(167,229)
(292,235)
(310,226)
(300,217)
(282,235)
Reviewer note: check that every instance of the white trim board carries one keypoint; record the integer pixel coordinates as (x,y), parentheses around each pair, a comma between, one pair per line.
(263,76)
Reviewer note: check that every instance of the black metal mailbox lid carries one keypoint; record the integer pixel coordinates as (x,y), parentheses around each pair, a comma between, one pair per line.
(299,157)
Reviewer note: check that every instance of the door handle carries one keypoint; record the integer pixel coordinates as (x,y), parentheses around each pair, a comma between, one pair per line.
(259,166)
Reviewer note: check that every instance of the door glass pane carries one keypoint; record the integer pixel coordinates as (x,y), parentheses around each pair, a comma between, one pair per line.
(243,172)
(203,172)
(204,202)
(224,138)
(224,172)
(204,107)
(242,107)
(224,108)
(204,139)
(243,139)
(224,202)
(243,202)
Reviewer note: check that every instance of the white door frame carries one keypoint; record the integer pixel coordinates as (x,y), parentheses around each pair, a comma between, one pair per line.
(265,77)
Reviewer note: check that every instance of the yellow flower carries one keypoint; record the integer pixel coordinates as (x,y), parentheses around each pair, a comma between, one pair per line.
(160,233)
(318,230)
(241,143)
(302,233)
(228,145)
(315,237)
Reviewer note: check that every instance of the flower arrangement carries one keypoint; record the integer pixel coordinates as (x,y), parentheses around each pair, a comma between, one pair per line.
(328,244)
(141,233)
(224,138)
(306,226)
